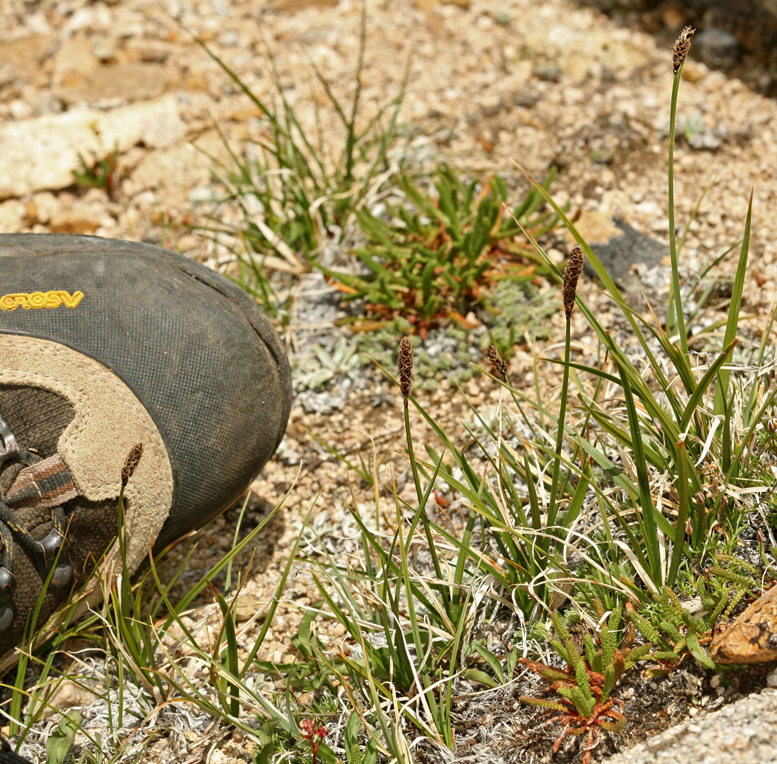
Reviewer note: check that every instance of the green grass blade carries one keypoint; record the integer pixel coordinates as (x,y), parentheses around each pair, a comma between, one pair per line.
(675,315)
(733,316)
(682,513)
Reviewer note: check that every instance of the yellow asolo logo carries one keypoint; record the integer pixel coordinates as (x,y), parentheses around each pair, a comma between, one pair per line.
(40,300)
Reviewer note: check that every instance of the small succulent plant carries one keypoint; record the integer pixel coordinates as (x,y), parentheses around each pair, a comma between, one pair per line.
(585,705)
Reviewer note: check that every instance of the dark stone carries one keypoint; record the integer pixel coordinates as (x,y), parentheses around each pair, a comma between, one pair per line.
(620,254)
(717,48)
(752,57)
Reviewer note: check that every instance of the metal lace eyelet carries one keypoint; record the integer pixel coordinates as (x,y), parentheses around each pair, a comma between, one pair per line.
(49,549)
(7,588)
(10,448)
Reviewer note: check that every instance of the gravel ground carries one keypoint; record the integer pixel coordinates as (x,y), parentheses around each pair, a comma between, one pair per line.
(492,82)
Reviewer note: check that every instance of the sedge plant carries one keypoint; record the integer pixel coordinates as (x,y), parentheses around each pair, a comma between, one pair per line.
(648,437)
(594,499)
(408,622)
(682,426)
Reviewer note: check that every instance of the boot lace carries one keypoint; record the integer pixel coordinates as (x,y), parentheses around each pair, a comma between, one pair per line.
(50,552)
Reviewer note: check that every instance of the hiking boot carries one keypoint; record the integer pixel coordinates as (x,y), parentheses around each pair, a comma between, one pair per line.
(105,345)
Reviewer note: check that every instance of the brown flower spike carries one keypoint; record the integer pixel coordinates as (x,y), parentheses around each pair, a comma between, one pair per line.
(405,366)
(571,275)
(681,48)
(131,462)
(498,364)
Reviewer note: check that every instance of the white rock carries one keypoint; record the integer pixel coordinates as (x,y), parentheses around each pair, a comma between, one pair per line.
(20,109)
(96,17)
(104,46)
(37,23)
(693,605)
(771,678)
(166,128)
(12,215)
(181,166)
(46,206)
(67,695)
(40,154)
(176,167)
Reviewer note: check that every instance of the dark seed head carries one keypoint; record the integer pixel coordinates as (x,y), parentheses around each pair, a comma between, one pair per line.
(571,275)
(498,364)
(681,48)
(131,462)
(405,366)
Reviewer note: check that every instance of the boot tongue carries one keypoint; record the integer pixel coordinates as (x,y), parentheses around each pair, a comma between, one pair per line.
(29,481)
(32,421)
(47,483)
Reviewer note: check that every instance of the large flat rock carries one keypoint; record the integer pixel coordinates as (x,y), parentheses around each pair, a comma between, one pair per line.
(743,733)
(41,154)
